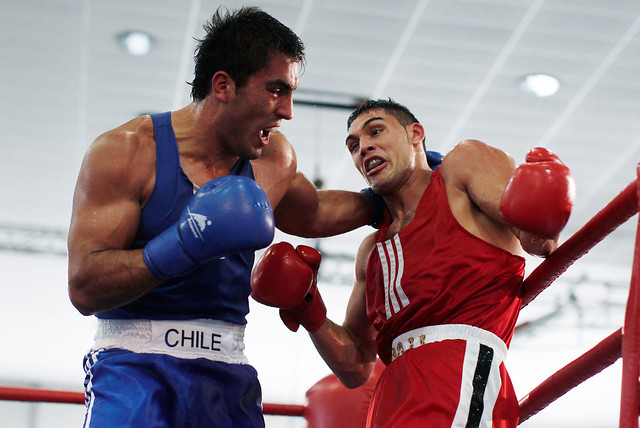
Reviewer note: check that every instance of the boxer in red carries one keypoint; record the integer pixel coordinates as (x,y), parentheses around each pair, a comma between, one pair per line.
(437,288)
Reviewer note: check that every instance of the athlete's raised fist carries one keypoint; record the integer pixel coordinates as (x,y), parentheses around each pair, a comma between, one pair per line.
(230,214)
(539,195)
(281,278)
(287,279)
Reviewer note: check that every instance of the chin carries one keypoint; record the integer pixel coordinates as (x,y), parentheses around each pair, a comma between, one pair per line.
(255,154)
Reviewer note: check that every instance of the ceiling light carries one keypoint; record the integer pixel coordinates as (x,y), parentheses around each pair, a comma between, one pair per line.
(135,42)
(540,85)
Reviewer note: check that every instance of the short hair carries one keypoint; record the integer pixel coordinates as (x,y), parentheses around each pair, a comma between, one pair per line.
(397,110)
(240,43)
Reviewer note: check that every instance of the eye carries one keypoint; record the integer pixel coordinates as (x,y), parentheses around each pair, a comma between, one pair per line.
(352,146)
(376,131)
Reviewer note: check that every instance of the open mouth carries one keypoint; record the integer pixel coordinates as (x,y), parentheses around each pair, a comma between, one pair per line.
(265,133)
(373,165)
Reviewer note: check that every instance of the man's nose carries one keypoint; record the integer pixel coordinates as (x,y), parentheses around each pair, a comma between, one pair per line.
(285,108)
(364,148)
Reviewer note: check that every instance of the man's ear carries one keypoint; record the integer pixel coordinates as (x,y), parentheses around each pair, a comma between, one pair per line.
(223,86)
(416,131)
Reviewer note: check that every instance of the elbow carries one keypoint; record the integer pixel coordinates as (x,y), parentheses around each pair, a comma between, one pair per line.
(81,304)
(354,380)
(80,299)
(355,376)
(353,383)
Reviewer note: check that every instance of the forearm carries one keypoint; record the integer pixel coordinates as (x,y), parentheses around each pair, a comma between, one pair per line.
(350,361)
(108,279)
(332,212)
(342,211)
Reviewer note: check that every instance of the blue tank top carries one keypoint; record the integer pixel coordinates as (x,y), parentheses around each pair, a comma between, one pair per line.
(218,289)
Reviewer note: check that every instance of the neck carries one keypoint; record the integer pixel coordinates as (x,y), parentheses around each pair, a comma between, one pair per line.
(403,202)
(198,139)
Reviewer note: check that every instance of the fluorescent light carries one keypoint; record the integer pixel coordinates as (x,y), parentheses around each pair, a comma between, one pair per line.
(136,42)
(540,85)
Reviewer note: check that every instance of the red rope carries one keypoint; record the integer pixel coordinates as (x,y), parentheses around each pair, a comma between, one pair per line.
(52,396)
(631,344)
(587,365)
(619,210)
(283,409)
(46,395)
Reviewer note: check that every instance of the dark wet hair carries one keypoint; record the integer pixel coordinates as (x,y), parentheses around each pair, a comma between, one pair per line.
(240,43)
(397,110)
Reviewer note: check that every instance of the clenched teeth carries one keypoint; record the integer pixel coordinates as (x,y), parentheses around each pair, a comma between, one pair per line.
(373,163)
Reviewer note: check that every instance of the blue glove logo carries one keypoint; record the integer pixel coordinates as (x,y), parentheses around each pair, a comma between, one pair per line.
(197,223)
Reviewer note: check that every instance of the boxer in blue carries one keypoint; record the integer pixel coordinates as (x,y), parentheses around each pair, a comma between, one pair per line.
(167,213)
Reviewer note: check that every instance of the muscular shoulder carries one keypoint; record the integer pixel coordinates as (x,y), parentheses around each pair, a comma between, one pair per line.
(470,160)
(276,169)
(278,153)
(124,156)
(125,140)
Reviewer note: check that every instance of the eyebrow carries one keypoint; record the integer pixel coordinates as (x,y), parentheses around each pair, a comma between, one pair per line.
(351,137)
(282,83)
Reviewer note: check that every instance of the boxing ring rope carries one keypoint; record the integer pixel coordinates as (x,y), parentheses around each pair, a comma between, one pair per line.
(10,393)
(618,211)
(624,342)
(587,365)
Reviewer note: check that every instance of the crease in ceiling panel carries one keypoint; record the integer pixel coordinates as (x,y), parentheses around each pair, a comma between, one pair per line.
(386,76)
(497,65)
(83,83)
(604,177)
(401,46)
(186,55)
(303,18)
(591,82)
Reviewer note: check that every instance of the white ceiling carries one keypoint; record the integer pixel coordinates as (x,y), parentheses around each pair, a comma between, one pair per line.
(455,63)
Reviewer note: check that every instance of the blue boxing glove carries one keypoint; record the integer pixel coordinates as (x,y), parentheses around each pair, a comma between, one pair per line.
(434,159)
(230,214)
(378,206)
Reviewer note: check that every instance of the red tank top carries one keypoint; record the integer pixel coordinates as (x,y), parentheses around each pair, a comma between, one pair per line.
(436,272)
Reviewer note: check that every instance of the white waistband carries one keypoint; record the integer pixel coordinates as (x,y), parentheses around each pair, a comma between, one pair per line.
(437,333)
(202,338)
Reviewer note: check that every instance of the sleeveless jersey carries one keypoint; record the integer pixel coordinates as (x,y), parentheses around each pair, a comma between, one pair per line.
(436,272)
(218,289)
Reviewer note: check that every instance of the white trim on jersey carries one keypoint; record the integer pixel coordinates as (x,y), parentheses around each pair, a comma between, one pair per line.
(466,385)
(488,395)
(90,398)
(392,272)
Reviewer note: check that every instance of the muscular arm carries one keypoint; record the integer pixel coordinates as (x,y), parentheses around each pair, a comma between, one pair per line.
(350,349)
(299,208)
(482,172)
(305,211)
(103,273)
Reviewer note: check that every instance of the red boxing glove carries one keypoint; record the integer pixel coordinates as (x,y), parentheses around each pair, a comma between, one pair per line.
(286,278)
(310,311)
(539,196)
(281,278)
